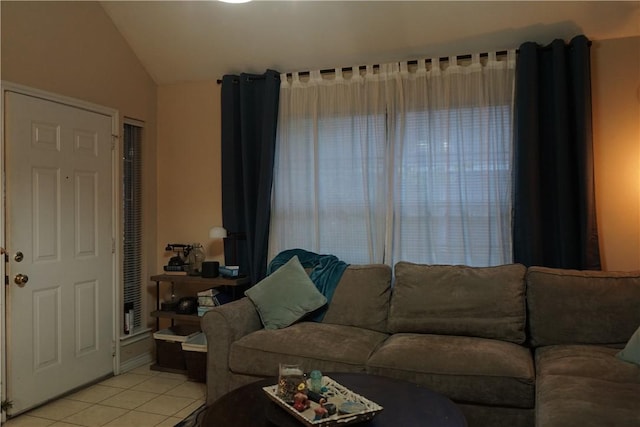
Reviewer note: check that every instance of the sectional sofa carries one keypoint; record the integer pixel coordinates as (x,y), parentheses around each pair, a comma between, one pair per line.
(511,346)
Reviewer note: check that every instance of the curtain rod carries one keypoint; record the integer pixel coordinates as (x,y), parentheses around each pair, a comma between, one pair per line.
(412,62)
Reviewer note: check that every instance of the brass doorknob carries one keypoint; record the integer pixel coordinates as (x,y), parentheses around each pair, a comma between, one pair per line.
(21,279)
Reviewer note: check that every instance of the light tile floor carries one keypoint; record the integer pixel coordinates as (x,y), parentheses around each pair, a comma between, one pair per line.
(138,398)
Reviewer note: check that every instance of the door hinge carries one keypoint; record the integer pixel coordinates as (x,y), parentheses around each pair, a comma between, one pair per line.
(113,245)
(114,140)
(6,280)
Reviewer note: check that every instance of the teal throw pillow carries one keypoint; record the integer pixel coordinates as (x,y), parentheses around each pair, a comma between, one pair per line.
(631,352)
(285,296)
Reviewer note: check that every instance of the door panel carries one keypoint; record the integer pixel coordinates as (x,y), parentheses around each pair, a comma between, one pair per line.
(46,208)
(87,318)
(86,204)
(46,328)
(59,211)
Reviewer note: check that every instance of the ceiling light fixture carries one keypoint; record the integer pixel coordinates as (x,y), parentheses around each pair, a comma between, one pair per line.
(235,1)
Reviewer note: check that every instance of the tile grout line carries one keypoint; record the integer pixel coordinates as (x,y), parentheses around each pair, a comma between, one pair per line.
(75,412)
(181,380)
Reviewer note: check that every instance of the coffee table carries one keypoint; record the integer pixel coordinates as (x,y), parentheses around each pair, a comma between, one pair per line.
(404,403)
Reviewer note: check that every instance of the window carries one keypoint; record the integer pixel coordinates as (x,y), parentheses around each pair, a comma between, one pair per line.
(452,191)
(132,218)
(397,165)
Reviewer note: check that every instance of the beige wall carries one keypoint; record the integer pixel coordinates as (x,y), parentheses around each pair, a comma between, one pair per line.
(189,166)
(73,49)
(616,134)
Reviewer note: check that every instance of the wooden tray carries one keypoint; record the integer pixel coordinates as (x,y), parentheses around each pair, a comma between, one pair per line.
(336,394)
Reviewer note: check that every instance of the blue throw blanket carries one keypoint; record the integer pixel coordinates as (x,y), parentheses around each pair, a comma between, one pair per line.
(325,274)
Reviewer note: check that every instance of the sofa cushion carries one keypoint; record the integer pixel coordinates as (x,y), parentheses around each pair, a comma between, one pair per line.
(285,296)
(321,346)
(485,302)
(362,298)
(466,369)
(585,385)
(582,307)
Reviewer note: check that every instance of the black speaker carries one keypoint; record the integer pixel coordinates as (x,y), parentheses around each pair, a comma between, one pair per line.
(210,269)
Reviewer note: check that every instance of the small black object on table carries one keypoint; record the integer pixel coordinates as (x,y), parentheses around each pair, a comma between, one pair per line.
(404,403)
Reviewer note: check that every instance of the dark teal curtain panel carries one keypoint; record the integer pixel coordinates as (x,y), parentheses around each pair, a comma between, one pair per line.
(554,221)
(249,119)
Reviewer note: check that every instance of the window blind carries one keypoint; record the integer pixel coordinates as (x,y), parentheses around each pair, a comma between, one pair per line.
(132,221)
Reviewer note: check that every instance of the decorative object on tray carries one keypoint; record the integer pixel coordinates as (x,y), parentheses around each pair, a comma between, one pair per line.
(315,381)
(334,405)
(290,381)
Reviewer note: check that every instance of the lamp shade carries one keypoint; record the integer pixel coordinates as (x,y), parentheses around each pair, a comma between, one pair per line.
(217,233)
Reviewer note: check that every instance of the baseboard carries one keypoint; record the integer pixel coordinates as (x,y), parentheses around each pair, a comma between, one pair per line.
(136,362)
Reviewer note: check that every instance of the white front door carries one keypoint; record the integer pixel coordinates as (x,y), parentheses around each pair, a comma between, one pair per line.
(59,241)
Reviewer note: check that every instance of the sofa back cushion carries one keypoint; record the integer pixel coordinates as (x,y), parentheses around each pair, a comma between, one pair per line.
(362,298)
(485,302)
(582,307)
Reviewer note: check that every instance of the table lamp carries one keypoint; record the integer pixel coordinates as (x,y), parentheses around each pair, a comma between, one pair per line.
(211,268)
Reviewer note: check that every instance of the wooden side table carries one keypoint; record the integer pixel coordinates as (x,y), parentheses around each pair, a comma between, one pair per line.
(193,281)
(195,284)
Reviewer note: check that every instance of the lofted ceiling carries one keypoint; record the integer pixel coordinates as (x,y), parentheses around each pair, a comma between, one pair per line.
(180,41)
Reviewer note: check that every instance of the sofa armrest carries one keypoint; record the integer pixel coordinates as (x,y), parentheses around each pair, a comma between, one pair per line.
(223,326)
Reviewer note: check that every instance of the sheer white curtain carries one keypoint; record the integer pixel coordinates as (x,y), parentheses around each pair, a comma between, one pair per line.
(330,167)
(452,163)
(405,163)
